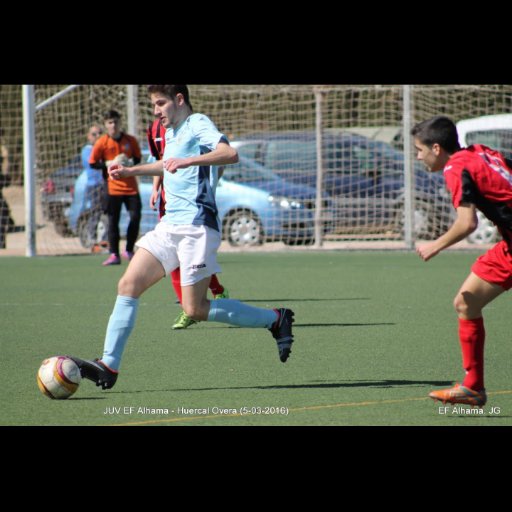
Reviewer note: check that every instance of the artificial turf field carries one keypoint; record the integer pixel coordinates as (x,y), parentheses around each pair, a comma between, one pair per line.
(374,333)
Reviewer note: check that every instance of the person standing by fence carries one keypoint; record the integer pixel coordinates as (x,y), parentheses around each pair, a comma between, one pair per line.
(117,146)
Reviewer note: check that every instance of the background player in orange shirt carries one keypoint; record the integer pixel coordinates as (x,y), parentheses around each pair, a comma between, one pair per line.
(117,146)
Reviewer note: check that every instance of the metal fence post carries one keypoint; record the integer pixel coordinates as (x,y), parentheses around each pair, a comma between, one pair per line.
(319,96)
(132,109)
(408,170)
(29,168)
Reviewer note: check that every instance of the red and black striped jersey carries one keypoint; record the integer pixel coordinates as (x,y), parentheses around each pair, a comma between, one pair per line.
(482,176)
(156,139)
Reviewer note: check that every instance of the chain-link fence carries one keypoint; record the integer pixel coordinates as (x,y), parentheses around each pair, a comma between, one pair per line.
(285,134)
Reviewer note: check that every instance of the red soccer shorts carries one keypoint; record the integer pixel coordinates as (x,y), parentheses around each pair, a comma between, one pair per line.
(495,266)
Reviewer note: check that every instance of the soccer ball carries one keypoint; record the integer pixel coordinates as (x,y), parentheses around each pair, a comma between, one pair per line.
(58,377)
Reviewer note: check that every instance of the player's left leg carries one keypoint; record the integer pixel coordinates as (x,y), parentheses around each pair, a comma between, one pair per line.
(198,259)
(474,294)
(228,311)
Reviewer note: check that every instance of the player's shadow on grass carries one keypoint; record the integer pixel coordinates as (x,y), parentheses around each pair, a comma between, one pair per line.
(87,398)
(330,324)
(384,383)
(343,325)
(334,299)
(313,385)
(342,384)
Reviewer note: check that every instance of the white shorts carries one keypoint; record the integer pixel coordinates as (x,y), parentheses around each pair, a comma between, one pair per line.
(192,248)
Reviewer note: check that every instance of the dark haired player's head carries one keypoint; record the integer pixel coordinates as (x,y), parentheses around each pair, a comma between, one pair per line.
(438,130)
(171,91)
(111,114)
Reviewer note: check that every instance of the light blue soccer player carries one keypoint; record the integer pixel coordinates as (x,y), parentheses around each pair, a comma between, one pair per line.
(188,236)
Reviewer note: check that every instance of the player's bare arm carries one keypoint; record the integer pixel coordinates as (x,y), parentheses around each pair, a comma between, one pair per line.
(223,154)
(118,171)
(157,183)
(465,223)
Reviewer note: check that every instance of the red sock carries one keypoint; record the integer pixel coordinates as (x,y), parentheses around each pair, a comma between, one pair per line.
(215,286)
(176,283)
(472,338)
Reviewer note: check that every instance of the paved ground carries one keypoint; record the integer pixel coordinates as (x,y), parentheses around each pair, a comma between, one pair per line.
(50,243)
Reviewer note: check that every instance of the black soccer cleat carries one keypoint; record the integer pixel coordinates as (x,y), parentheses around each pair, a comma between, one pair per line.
(97,372)
(282,332)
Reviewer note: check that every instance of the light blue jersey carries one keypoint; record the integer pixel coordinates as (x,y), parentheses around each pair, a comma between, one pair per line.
(190,192)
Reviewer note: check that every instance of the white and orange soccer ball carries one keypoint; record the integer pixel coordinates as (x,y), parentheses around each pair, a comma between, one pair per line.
(58,377)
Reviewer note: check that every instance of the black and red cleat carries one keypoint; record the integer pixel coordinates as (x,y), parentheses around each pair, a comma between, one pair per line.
(96,371)
(282,332)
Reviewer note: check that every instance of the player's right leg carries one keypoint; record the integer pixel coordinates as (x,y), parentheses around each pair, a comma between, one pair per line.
(96,371)
(182,321)
(218,291)
(460,395)
(176,283)
(143,271)
(114,213)
(134,206)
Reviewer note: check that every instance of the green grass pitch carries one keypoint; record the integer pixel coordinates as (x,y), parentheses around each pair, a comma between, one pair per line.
(374,333)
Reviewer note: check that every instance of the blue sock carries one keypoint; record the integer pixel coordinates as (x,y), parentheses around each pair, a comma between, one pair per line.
(119,329)
(234,312)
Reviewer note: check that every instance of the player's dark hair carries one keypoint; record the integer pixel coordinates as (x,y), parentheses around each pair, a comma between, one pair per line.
(438,130)
(111,114)
(171,91)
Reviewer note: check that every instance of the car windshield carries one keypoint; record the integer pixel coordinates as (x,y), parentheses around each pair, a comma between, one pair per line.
(342,155)
(248,171)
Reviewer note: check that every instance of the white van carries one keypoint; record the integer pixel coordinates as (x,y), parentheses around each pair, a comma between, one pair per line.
(493,131)
(496,132)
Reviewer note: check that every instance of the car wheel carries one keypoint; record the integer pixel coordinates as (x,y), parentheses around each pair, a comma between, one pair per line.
(243,228)
(485,233)
(92,230)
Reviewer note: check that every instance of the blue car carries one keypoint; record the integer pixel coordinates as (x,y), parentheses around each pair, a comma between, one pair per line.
(255,205)
(364,177)
(56,193)
(85,215)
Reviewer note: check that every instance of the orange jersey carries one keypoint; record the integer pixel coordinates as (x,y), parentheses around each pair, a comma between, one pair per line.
(105,149)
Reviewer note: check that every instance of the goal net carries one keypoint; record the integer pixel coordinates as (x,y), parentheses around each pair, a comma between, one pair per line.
(285,134)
